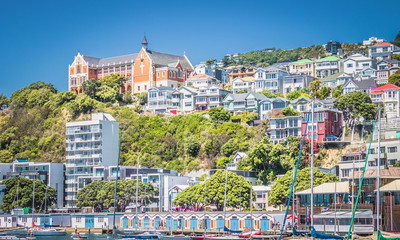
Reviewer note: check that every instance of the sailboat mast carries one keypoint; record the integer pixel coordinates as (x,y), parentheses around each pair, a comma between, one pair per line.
(137,192)
(312,166)
(226,183)
(378,179)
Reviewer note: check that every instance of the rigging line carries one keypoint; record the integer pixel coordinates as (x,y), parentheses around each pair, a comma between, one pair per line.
(361,182)
(294,176)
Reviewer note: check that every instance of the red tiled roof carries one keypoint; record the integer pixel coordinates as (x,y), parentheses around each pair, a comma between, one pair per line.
(384,87)
(382,44)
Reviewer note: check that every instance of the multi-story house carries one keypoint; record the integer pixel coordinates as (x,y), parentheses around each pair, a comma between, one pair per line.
(327,125)
(242,72)
(333,48)
(296,82)
(351,162)
(373,41)
(270,78)
(242,86)
(269,104)
(367,73)
(382,51)
(283,127)
(303,66)
(336,79)
(201,80)
(210,97)
(387,97)
(301,104)
(142,70)
(187,99)
(163,100)
(364,86)
(327,66)
(243,102)
(90,143)
(354,64)
(52,174)
(385,68)
(219,74)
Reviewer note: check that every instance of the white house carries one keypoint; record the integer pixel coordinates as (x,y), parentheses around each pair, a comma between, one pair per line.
(373,41)
(354,64)
(359,85)
(388,97)
(382,51)
(327,66)
(296,82)
(242,86)
(187,99)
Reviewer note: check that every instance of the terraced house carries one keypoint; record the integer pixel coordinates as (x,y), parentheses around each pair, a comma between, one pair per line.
(142,70)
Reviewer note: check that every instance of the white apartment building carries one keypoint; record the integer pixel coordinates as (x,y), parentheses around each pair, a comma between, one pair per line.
(90,144)
(52,174)
(327,66)
(373,41)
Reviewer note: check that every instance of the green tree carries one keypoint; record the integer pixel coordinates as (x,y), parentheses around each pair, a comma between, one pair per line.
(142,98)
(3,101)
(24,188)
(91,87)
(210,62)
(396,40)
(281,189)
(100,194)
(354,106)
(288,111)
(213,192)
(219,114)
(268,94)
(293,95)
(324,92)
(107,93)
(338,91)
(315,86)
(395,78)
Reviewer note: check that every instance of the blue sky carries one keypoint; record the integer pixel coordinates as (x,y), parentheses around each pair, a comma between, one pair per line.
(40,38)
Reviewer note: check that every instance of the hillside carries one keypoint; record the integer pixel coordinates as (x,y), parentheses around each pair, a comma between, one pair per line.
(33,127)
(268,57)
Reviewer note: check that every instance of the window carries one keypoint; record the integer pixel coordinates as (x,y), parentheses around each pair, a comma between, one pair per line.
(188,104)
(78,69)
(392,149)
(145,87)
(78,219)
(350,65)
(100,219)
(138,88)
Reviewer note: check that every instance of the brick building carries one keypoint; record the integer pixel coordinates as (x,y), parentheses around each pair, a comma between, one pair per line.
(142,70)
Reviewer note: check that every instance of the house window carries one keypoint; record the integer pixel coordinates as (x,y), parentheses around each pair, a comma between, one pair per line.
(392,149)
(145,87)
(78,219)
(138,88)
(350,65)
(78,69)
(100,219)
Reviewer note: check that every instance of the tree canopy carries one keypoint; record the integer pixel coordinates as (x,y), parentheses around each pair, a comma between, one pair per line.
(220,114)
(356,105)
(395,78)
(100,194)
(212,191)
(19,194)
(281,189)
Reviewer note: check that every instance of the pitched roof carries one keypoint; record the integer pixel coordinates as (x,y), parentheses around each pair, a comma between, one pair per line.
(164,59)
(94,61)
(391,187)
(302,61)
(358,57)
(200,77)
(340,187)
(242,96)
(393,172)
(384,87)
(363,84)
(329,58)
(382,44)
(332,77)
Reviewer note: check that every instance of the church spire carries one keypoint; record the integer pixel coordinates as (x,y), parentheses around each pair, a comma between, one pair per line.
(144,42)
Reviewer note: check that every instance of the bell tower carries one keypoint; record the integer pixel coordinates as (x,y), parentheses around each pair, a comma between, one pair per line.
(145,43)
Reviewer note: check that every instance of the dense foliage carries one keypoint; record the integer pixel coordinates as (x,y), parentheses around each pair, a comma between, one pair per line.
(19,194)
(33,127)
(100,194)
(395,78)
(268,56)
(270,159)
(212,191)
(281,189)
(356,105)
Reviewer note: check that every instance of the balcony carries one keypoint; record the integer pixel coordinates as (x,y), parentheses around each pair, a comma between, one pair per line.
(70,198)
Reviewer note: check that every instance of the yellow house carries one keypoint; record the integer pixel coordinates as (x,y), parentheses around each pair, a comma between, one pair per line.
(303,66)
